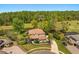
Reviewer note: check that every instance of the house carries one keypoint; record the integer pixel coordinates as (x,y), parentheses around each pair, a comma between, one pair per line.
(71,33)
(1,43)
(37,34)
(73,39)
(5,42)
(8,43)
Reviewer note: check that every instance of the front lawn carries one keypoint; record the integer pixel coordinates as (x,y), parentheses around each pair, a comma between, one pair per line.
(62,48)
(26,26)
(28,47)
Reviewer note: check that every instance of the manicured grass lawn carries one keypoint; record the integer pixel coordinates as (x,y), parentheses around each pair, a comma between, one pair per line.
(5,27)
(26,26)
(62,48)
(28,47)
(73,26)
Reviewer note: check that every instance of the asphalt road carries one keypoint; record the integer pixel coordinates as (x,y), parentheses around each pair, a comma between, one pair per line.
(42,52)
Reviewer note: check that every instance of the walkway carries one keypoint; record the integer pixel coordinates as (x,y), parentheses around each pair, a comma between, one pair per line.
(54,47)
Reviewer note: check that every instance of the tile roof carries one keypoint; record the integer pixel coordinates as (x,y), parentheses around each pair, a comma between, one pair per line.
(36,31)
(37,34)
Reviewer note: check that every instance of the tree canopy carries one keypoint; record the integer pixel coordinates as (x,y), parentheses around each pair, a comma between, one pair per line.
(27,16)
(18,25)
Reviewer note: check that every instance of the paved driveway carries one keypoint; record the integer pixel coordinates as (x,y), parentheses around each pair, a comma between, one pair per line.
(73,49)
(13,50)
(42,52)
(54,47)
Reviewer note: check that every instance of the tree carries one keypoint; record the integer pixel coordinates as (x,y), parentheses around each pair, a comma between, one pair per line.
(34,23)
(64,26)
(18,25)
(44,25)
(58,35)
(52,23)
(50,36)
(1,22)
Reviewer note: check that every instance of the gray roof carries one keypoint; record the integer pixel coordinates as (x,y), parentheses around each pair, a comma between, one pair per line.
(71,33)
(1,43)
(75,37)
(6,41)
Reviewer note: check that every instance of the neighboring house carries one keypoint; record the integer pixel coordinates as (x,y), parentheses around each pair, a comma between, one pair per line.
(71,33)
(5,42)
(73,39)
(8,43)
(1,43)
(37,34)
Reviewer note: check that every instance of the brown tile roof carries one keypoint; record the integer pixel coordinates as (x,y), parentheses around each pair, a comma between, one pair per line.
(33,37)
(36,31)
(37,34)
(42,37)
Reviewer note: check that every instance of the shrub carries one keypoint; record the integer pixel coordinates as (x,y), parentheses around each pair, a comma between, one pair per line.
(50,36)
(22,42)
(2,32)
(56,35)
(36,41)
